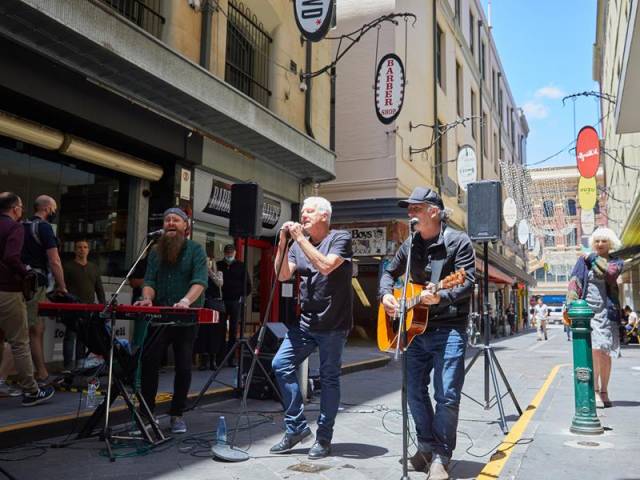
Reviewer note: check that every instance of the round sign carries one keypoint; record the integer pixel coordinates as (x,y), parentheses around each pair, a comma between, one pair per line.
(523,232)
(587,192)
(588,221)
(389,88)
(467,167)
(588,152)
(510,212)
(313,17)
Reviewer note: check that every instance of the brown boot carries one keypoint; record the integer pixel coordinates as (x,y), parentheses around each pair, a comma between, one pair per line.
(438,471)
(420,461)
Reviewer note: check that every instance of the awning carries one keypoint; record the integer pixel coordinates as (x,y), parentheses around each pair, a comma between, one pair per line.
(495,275)
(113,53)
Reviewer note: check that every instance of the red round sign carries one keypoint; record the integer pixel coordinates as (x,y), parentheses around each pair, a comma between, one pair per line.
(588,152)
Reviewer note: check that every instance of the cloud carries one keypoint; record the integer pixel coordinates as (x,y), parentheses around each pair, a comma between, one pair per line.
(534,109)
(549,92)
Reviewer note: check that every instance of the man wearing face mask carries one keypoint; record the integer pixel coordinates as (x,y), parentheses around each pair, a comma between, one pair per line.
(233,289)
(40,254)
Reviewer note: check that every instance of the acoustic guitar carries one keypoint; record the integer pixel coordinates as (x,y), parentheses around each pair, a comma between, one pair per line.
(417,315)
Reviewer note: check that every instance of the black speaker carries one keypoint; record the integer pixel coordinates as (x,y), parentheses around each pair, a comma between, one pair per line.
(245,218)
(484,211)
(260,387)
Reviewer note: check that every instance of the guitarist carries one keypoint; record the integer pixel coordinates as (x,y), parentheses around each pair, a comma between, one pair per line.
(437,251)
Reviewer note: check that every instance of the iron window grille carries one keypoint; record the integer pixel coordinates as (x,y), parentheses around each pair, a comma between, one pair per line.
(144,13)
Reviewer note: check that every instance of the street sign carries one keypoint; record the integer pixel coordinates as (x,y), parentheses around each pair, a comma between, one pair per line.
(510,212)
(523,232)
(588,152)
(587,192)
(467,166)
(313,17)
(389,95)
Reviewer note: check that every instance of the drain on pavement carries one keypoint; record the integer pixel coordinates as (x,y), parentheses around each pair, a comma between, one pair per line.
(590,444)
(308,467)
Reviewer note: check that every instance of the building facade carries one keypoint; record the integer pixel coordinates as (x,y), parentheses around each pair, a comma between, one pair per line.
(120,109)
(559,234)
(616,68)
(454,76)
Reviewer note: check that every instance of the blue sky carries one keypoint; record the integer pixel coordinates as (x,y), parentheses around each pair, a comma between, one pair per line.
(545,47)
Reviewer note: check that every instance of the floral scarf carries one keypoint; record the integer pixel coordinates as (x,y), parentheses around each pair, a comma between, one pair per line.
(609,270)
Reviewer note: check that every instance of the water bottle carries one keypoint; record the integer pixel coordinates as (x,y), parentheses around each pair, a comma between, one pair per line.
(92,401)
(221,435)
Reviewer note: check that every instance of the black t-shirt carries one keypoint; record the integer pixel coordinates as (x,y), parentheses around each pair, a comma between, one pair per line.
(326,300)
(34,251)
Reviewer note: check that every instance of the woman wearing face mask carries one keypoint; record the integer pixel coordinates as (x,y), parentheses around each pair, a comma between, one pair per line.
(594,279)
(233,289)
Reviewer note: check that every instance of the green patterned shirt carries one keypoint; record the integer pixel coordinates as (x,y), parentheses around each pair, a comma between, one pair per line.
(172,282)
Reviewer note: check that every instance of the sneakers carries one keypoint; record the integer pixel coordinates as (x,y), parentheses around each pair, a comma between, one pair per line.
(9,390)
(320,449)
(420,461)
(289,441)
(42,395)
(178,425)
(438,471)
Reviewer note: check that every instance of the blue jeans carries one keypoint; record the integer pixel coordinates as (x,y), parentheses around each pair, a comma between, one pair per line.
(296,347)
(441,350)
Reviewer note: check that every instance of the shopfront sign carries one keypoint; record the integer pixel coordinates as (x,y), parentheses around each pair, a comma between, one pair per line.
(467,167)
(389,88)
(510,212)
(523,232)
(587,192)
(212,204)
(313,17)
(369,241)
(588,152)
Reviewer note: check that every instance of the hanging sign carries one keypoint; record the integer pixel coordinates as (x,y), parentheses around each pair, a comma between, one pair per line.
(510,212)
(313,17)
(588,221)
(588,152)
(467,167)
(523,232)
(587,193)
(389,88)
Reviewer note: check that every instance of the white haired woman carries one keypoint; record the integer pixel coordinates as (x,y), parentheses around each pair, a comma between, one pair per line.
(594,279)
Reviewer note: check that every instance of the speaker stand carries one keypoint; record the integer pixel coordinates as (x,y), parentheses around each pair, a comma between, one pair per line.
(490,360)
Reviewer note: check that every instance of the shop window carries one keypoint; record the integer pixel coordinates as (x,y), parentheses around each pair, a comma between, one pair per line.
(92,204)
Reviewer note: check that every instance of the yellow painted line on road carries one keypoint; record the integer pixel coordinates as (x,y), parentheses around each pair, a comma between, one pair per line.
(498,460)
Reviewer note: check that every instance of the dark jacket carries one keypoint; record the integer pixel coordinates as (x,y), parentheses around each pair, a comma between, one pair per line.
(233,276)
(12,270)
(451,251)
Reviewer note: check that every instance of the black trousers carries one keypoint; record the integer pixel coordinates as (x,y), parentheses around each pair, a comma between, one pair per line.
(181,338)
(233,314)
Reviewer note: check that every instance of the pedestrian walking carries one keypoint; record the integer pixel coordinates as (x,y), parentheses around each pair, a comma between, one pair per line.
(40,254)
(594,279)
(13,309)
(541,314)
(322,257)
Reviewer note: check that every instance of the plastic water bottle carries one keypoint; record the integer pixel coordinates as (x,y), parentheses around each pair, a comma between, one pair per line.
(92,401)
(221,435)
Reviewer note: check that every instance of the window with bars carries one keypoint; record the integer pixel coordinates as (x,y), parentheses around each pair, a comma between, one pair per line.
(247,58)
(144,13)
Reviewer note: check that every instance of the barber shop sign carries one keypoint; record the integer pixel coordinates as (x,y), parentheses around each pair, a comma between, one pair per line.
(313,17)
(390,82)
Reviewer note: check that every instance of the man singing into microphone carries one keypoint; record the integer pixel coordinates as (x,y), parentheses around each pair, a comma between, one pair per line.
(437,251)
(322,258)
(176,277)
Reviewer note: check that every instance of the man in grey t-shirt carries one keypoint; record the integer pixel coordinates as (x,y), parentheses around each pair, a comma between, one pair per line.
(322,258)
(540,314)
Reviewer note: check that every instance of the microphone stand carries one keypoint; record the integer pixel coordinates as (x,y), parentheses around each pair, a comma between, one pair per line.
(110,313)
(402,340)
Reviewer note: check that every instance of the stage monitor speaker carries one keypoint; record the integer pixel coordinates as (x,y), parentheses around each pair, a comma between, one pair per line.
(260,388)
(245,218)
(484,210)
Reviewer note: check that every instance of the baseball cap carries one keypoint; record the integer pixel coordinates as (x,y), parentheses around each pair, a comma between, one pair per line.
(422,195)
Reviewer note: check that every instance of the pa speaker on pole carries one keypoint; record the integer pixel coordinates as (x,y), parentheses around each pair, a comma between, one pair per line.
(484,212)
(245,218)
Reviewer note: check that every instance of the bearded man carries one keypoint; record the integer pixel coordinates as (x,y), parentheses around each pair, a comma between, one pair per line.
(176,277)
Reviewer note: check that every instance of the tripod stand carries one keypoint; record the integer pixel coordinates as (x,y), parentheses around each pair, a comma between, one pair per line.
(240,345)
(491,363)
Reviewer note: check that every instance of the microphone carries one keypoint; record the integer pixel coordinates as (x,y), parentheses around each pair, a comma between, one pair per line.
(155,233)
(286,231)
(414,221)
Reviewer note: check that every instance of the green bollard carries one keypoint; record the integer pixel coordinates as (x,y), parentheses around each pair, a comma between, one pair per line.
(585,420)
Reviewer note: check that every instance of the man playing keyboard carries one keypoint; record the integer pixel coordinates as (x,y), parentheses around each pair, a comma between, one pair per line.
(176,276)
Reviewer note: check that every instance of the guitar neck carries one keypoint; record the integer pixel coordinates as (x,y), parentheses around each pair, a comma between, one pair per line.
(415,300)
